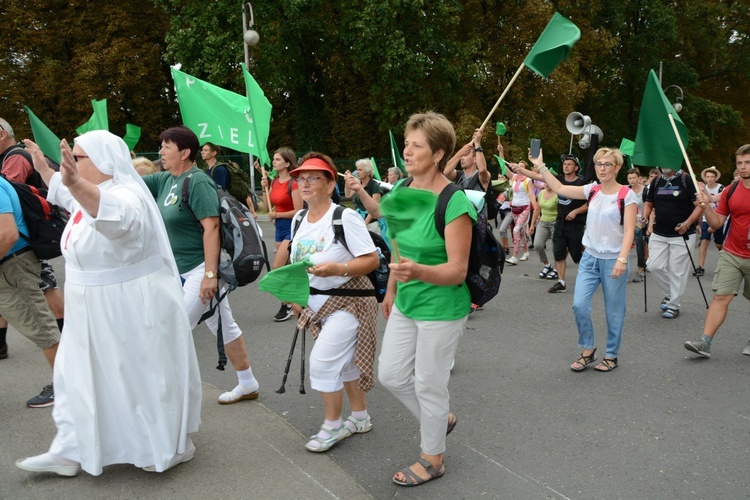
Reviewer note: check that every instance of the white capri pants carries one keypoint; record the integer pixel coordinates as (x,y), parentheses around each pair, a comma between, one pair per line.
(332,355)
(191,289)
(669,263)
(415,365)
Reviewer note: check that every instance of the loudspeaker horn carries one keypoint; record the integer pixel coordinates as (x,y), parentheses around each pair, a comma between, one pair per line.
(576,122)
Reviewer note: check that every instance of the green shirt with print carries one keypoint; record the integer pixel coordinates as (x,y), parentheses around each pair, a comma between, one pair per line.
(185,236)
(422,243)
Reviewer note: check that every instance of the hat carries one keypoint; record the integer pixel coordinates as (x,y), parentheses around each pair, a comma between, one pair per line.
(570,157)
(314,164)
(710,169)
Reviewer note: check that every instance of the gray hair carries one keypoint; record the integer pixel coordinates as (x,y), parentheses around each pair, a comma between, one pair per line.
(366,165)
(396,171)
(6,126)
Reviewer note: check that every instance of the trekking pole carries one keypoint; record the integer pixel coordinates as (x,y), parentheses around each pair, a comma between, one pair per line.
(685,237)
(282,389)
(302,367)
(645,295)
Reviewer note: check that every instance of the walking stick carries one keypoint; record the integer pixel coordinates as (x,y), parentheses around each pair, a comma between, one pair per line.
(685,237)
(282,389)
(302,367)
(645,295)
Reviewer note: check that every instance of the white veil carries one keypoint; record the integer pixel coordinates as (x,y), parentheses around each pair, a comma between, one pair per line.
(111,156)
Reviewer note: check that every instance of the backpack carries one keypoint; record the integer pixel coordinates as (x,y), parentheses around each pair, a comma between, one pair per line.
(379,276)
(34,179)
(732,188)
(486,254)
(243,252)
(620,198)
(45,221)
(239,180)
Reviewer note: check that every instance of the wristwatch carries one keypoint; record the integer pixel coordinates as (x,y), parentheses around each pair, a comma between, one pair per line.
(622,260)
(479,150)
(210,275)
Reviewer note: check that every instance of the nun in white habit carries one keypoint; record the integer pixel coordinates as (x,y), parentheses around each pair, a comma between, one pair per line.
(126,378)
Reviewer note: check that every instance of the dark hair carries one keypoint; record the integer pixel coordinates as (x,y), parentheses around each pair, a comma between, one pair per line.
(183,138)
(634,171)
(654,170)
(325,158)
(213,147)
(288,155)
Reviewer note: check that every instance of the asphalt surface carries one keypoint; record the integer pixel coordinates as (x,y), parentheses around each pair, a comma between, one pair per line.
(665,424)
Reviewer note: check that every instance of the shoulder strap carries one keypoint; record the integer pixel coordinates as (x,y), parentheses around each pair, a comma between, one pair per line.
(731,191)
(593,192)
(442,207)
(297,220)
(338,226)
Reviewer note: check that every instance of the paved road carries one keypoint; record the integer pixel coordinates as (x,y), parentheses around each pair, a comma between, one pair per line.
(664,425)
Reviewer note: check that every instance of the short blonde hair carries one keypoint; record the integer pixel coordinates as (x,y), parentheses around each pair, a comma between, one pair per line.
(143,166)
(613,152)
(441,136)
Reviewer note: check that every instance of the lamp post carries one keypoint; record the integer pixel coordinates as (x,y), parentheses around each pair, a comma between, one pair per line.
(677,105)
(249,37)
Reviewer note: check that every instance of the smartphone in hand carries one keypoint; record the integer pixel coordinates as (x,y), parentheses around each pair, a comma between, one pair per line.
(536,145)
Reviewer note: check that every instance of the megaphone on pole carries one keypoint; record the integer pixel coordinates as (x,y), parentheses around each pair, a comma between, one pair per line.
(578,123)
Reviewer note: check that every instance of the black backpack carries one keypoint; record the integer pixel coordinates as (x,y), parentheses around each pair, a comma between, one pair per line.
(34,179)
(378,277)
(239,180)
(243,251)
(45,221)
(486,255)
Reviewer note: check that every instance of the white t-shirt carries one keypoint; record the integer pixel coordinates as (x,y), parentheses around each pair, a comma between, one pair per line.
(603,235)
(715,190)
(521,196)
(316,240)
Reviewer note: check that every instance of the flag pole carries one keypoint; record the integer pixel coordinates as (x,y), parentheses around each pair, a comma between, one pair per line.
(512,80)
(264,175)
(684,154)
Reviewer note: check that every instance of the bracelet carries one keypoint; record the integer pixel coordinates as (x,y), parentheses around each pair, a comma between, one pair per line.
(346,271)
(543,169)
(622,260)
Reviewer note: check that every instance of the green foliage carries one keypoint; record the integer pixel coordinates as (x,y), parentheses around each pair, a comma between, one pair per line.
(341,73)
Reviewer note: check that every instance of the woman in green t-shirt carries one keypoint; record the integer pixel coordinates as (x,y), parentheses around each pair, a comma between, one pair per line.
(427,302)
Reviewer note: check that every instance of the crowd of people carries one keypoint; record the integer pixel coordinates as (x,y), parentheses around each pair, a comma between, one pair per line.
(142,258)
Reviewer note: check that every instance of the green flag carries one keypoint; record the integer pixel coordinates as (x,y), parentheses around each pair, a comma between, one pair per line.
(500,129)
(626,147)
(216,115)
(132,135)
(501,162)
(655,142)
(47,141)
(260,113)
(289,283)
(99,119)
(405,205)
(375,172)
(396,156)
(553,46)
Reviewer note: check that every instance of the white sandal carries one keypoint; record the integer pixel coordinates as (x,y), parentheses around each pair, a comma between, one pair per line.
(239,393)
(358,425)
(318,444)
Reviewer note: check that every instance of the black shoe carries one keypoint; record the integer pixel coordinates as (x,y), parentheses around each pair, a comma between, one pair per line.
(44,399)
(558,288)
(285,312)
(4,351)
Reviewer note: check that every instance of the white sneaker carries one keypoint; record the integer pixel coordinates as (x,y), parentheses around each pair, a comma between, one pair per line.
(179,458)
(746,350)
(47,462)
(525,256)
(512,261)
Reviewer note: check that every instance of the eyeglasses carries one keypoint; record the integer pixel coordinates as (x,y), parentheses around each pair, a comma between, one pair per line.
(313,179)
(78,158)
(600,164)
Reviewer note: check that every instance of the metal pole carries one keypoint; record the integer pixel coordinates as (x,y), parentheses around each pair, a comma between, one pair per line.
(245,7)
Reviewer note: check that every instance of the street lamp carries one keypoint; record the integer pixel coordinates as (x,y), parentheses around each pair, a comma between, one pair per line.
(677,104)
(250,37)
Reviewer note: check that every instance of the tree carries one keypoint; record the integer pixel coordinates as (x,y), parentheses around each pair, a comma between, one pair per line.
(57,56)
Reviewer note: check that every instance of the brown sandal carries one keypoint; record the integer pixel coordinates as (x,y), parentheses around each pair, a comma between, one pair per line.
(411,478)
(581,363)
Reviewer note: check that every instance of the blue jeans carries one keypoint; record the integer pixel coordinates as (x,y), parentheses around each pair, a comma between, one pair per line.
(591,273)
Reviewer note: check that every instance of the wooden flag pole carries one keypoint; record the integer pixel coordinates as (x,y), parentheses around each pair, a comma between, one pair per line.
(266,196)
(512,80)
(684,153)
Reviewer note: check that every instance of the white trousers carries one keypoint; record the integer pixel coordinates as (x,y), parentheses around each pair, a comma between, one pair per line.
(415,365)
(332,356)
(669,263)
(191,289)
